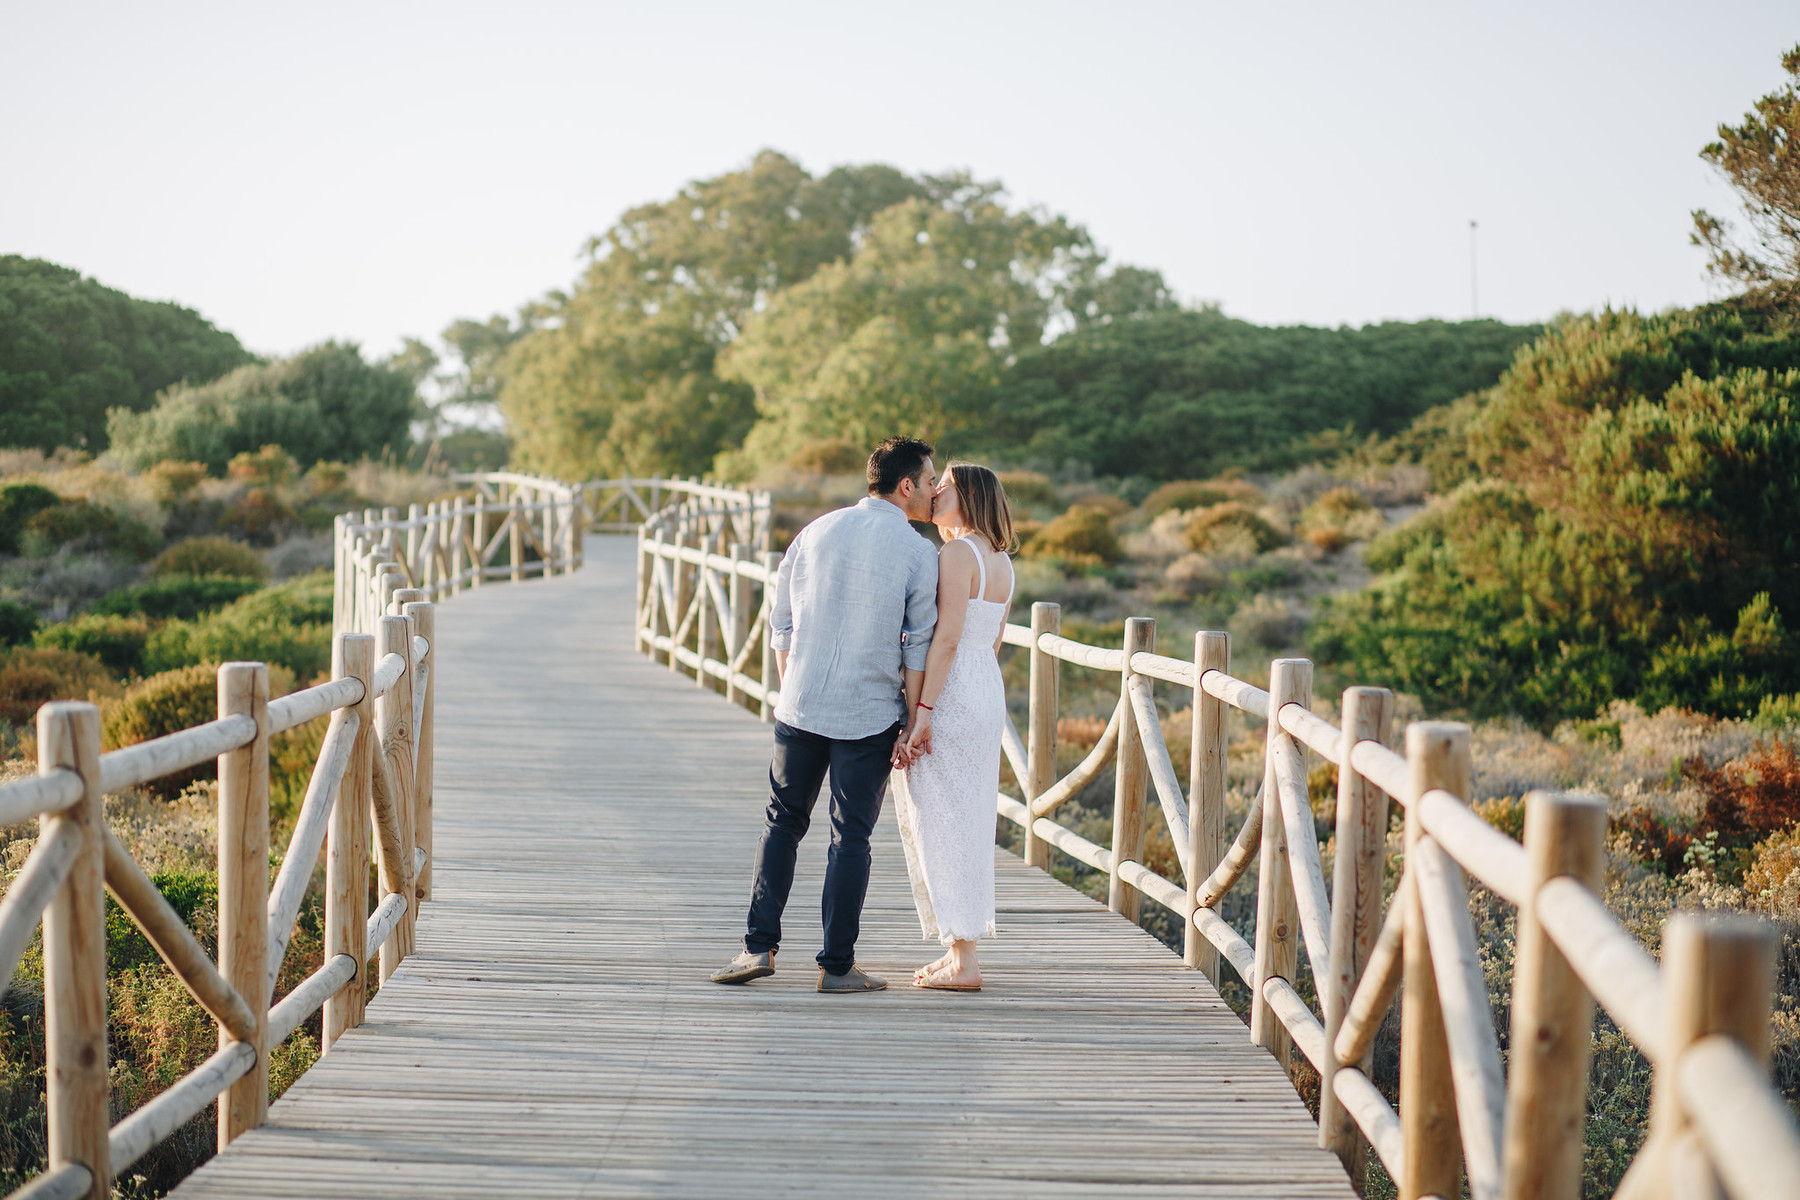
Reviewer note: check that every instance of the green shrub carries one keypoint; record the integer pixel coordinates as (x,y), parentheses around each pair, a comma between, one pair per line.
(20,502)
(259,517)
(270,466)
(116,641)
(288,624)
(1188,494)
(83,524)
(33,677)
(1082,535)
(173,481)
(176,596)
(210,556)
(1220,526)
(1028,490)
(18,623)
(168,702)
(1337,518)
(829,456)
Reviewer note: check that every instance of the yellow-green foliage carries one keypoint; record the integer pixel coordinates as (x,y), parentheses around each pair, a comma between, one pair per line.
(210,556)
(289,624)
(1081,536)
(1187,494)
(162,704)
(1233,525)
(1773,880)
(117,641)
(1027,490)
(35,676)
(1339,517)
(828,456)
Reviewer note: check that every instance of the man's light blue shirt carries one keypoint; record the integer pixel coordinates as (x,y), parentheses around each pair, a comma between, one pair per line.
(855,600)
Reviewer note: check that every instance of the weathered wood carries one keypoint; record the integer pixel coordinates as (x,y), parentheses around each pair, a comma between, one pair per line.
(1040,750)
(769,673)
(1243,851)
(1357,875)
(1611,963)
(393,718)
(1743,1125)
(1206,793)
(1552,1013)
(307,998)
(1438,755)
(516,544)
(1719,974)
(309,704)
(1237,693)
(1377,1120)
(1380,982)
(1085,771)
(1483,851)
(322,791)
(424,621)
(175,942)
(1304,866)
(1277,915)
(184,1100)
(347,844)
(1161,770)
(244,889)
(1478,1080)
(681,598)
(75,954)
(172,752)
(59,844)
(737,636)
(1131,778)
(38,795)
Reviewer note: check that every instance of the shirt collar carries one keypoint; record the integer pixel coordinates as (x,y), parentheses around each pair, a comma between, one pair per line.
(877,504)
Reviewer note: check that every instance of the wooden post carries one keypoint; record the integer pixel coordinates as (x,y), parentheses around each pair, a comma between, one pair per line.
(1718,977)
(1040,749)
(347,853)
(340,573)
(738,597)
(479,516)
(424,622)
(1206,793)
(1131,778)
(390,516)
(415,541)
(1356,885)
(770,672)
(74,936)
(1438,754)
(706,618)
(678,578)
(646,565)
(1277,909)
(517,538)
(244,887)
(393,716)
(1552,1012)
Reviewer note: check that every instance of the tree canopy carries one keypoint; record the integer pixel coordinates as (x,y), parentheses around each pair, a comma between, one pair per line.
(1174,394)
(1760,158)
(72,348)
(325,403)
(1624,530)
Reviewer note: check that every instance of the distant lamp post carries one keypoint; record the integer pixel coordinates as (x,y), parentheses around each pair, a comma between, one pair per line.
(1474,293)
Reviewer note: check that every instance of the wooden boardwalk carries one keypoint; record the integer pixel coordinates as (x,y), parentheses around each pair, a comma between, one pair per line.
(555,1034)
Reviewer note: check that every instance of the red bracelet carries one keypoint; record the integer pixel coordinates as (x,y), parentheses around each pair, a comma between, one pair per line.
(926,707)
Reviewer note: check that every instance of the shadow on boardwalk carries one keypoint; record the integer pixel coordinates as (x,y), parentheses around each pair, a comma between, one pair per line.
(555,1034)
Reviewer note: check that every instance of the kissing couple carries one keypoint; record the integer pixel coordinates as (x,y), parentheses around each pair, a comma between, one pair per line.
(888,653)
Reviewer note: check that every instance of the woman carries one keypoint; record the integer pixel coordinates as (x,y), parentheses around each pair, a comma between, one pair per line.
(947,767)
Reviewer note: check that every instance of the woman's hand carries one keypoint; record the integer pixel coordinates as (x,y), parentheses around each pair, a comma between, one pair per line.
(918,735)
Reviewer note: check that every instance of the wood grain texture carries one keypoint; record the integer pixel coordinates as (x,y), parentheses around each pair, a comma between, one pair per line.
(555,1034)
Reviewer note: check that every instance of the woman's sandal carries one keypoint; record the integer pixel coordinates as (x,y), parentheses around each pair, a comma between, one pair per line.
(923,980)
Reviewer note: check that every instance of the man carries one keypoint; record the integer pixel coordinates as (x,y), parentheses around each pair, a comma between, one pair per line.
(855,604)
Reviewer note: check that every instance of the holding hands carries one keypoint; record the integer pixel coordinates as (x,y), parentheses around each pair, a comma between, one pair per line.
(914,740)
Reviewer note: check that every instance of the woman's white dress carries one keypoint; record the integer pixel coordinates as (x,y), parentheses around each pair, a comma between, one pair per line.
(945,800)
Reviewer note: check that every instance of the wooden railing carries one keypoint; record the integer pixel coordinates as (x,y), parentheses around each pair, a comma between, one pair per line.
(1718,1127)
(371,782)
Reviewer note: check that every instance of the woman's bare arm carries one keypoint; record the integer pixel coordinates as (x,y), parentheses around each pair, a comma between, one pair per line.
(956,576)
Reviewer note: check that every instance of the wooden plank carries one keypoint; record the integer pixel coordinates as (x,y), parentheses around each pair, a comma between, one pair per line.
(554,1034)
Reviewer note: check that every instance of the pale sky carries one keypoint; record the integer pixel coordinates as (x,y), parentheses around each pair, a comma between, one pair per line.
(368,171)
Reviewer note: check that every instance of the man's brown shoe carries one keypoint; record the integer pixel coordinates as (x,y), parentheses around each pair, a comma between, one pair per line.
(853,980)
(745,967)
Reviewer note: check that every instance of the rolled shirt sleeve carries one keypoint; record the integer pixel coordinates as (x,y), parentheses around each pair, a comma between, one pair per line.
(921,613)
(781,612)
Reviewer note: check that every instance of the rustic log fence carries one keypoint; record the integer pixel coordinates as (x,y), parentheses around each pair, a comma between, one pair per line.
(1512,1131)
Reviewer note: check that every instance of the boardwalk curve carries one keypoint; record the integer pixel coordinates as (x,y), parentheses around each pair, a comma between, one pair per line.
(554,1034)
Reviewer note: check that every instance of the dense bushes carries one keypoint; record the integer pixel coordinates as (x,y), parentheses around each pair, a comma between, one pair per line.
(175,595)
(1083,535)
(209,556)
(289,624)
(169,702)
(17,623)
(324,403)
(81,524)
(33,677)
(118,642)
(19,502)
(1630,534)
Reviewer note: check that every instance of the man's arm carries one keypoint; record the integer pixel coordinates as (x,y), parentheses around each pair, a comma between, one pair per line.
(781,612)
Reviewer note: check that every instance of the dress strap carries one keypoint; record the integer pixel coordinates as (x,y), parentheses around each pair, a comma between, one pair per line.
(980,565)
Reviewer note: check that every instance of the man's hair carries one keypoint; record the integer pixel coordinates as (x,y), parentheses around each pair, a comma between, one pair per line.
(896,459)
(984,505)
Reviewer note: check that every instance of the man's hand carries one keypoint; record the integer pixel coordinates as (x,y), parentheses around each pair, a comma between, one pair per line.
(918,734)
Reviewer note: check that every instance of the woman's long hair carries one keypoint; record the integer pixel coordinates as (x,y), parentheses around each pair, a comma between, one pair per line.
(984,505)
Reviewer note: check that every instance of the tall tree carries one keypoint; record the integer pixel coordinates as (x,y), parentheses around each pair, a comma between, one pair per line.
(1760,157)
(619,374)
(72,348)
(911,333)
